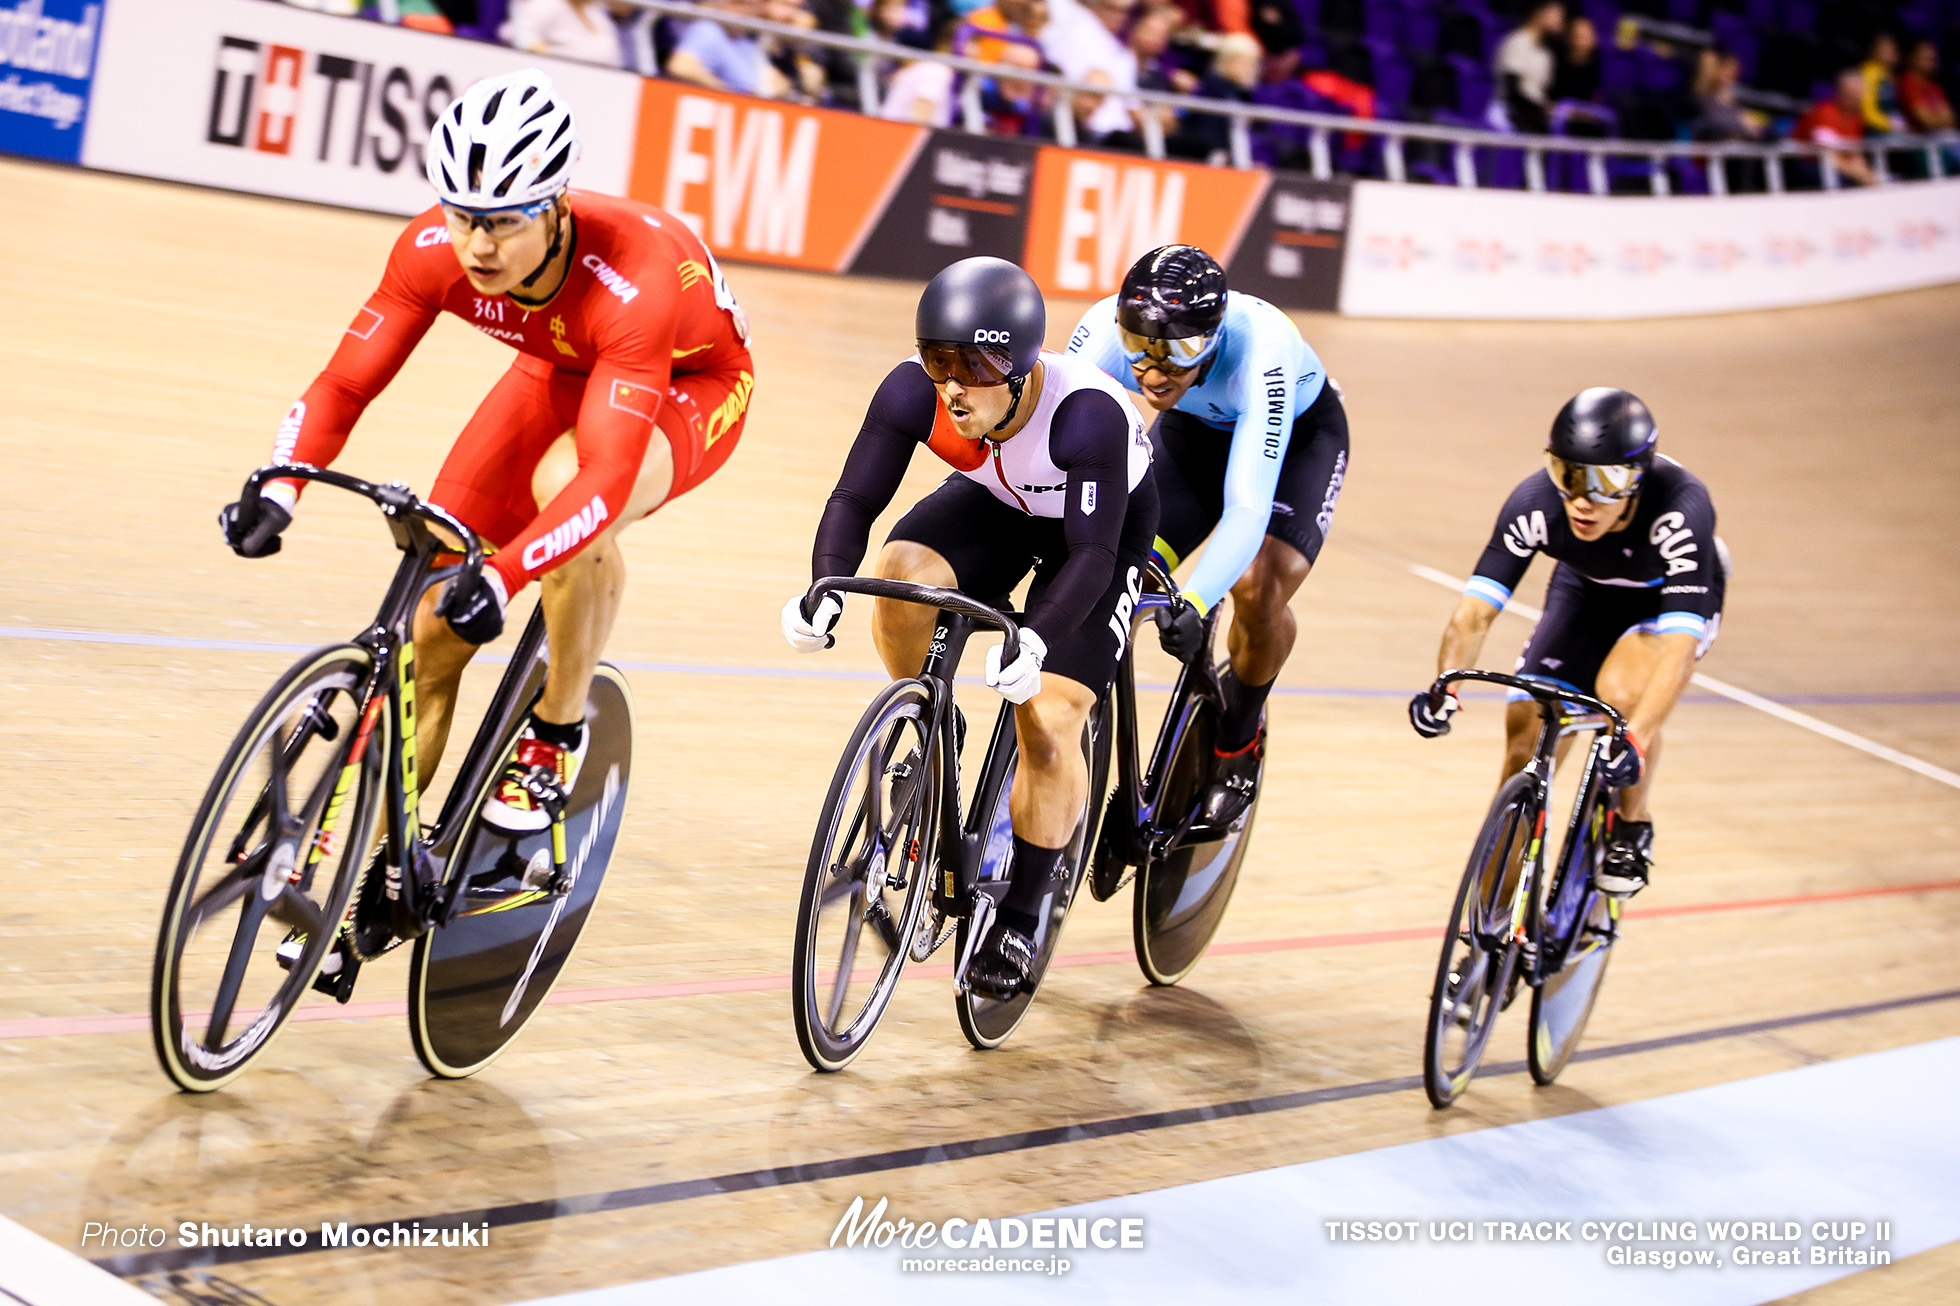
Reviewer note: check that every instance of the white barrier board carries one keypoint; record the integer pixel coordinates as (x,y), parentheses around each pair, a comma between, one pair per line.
(274,100)
(1439,252)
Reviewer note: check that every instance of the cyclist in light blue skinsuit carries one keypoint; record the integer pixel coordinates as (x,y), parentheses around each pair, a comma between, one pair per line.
(1251,449)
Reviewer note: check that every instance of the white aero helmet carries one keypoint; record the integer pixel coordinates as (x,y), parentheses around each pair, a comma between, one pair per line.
(505,142)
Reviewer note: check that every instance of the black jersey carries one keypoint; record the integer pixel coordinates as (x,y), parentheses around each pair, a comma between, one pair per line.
(1668,547)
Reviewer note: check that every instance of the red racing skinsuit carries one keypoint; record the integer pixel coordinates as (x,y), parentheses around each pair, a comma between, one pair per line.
(643,334)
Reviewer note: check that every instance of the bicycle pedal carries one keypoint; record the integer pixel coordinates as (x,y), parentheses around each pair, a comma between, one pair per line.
(337,973)
(543,786)
(289,951)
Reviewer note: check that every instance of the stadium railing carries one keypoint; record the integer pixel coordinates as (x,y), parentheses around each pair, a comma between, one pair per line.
(1938,150)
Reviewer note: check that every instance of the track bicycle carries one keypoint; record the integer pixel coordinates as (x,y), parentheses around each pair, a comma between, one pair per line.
(308,856)
(895,872)
(1516,923)
(1153,828)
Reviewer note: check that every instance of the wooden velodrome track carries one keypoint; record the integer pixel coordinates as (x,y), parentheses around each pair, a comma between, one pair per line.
(155,334)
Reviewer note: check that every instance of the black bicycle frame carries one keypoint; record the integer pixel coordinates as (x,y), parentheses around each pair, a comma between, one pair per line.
(1555,721)
(413,868)
(1138,788)
(962,843)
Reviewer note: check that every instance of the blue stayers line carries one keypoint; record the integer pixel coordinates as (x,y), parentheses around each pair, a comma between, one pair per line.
(1929,698)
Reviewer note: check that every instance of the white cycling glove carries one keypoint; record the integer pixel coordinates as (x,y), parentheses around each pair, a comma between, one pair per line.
(1019,680)
(808,634)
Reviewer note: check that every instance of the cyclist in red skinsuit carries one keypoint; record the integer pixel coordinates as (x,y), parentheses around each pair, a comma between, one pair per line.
(634,338)
(631,386)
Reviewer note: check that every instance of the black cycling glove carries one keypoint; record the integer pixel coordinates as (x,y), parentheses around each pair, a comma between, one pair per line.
(474,607)
(1181,630)
(255,535)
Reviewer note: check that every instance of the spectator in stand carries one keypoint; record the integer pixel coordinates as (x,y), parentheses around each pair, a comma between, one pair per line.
(1718,117)
(804,75)
(1920,96)
(902,22)
(1082,39)
(1841,121)
(1525,66)
(1234,73)
(571,29)
(708,54)
(1576,75)
(1277,25)
(1016,108)
(1880,102)
(1025,19)
(921,92)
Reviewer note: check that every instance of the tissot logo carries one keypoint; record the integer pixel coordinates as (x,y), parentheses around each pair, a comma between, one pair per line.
(279,99)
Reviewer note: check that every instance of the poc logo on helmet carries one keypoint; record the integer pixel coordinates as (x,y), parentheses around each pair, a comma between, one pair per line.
(993,338)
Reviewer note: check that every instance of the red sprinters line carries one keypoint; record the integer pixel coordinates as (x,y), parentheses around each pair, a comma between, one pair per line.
(129,1022)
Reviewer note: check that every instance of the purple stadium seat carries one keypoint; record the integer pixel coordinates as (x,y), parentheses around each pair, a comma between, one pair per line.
(1617,73)
(490,15)
(1393,78)
(1760,13)
(1384,22)
(1309,11)
(1420,27)
(1800,16)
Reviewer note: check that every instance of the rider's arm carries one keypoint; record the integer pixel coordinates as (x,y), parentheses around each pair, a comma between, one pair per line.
(1513,544)
(1268,378)
(374,347)
(1090,440)
(1463,638)
(614,427)
(897,422)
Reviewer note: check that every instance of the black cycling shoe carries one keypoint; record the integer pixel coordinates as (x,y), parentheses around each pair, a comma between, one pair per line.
(1000,969)
(1629,857)
(1235,781)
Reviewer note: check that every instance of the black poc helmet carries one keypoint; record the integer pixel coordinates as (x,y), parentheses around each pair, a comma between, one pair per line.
(1601,446)
(982,317)
(1171,306)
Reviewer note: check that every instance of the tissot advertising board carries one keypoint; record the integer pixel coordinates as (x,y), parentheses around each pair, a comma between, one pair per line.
(278,101)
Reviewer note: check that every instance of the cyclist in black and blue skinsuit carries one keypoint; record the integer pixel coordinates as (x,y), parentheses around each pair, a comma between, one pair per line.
(1634,603)
(1251,449)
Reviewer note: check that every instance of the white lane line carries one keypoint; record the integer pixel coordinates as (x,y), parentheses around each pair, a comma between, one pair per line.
(1747,699)
(1866,1139)
(37,1272)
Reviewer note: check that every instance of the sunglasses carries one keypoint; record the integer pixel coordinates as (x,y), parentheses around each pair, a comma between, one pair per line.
(501,224)
(973,366)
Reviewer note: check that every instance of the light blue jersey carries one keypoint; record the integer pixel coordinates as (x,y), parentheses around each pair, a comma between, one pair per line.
(1261,376)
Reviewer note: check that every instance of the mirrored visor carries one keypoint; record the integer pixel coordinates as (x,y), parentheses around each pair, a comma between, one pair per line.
(970,365)
(1600,482)
(1178,355)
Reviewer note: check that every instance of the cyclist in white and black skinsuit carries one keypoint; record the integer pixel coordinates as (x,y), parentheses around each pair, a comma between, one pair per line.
(1051,474)
(1634,604)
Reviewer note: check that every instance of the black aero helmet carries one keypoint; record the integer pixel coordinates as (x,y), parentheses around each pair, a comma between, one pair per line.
(981,321)
(1171,306)
(1601,446)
